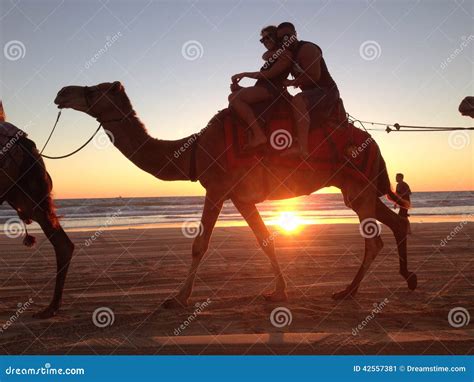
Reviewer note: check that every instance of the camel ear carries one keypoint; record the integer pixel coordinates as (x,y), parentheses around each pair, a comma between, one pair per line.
(117,86)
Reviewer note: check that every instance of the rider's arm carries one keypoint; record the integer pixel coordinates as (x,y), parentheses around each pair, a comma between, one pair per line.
(310,62)
(282,64)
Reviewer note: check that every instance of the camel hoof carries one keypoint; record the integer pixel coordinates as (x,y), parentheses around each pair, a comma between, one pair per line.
(46,313)
(276,296)
(174,303)
(344,294)
(412,281)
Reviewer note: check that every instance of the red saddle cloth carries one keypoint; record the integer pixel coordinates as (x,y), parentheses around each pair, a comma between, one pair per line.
(334,145)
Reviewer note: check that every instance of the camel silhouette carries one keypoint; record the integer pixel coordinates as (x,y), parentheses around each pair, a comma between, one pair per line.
(26,186)
(203,158)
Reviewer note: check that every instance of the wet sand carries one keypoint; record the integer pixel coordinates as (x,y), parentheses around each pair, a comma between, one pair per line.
(131,272)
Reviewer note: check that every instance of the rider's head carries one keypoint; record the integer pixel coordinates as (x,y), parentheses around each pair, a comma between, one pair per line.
(269,37)
(399,178)
(286,33)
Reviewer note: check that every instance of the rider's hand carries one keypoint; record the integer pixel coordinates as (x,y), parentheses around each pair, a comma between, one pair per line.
(237,77)
(235,87)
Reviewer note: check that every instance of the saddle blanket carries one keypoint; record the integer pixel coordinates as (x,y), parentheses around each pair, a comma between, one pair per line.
(341,147)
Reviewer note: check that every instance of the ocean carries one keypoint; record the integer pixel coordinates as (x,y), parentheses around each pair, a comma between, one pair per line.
(112,213)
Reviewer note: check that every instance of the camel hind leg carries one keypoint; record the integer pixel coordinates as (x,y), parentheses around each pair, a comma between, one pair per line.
(364,205)
(63,248)
(266,242)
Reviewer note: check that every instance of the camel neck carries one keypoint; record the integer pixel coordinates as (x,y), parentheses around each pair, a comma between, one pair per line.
(155,156)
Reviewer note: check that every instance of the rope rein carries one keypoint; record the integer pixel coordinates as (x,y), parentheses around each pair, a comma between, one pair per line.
(71,153)
(396,127)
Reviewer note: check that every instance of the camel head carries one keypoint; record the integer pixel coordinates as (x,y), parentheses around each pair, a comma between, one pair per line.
(105,101)
(467,107)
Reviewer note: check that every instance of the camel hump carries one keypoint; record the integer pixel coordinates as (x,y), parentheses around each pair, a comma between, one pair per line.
(9,130)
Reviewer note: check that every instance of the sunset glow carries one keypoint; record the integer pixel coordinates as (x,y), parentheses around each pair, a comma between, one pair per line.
(289,222)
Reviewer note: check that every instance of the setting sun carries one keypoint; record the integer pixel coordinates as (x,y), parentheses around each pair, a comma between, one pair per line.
(288,221)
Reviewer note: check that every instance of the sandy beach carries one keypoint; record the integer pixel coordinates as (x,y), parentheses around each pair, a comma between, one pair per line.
(131,272)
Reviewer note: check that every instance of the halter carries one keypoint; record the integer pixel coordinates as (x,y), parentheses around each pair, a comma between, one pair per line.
(89,107)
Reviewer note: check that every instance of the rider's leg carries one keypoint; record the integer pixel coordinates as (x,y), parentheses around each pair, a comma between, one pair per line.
(240,103)
(302,120)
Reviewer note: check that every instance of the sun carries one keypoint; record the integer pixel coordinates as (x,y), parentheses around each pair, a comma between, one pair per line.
(288,222)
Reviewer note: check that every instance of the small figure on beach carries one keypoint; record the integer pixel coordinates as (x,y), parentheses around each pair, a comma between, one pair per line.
(404,192)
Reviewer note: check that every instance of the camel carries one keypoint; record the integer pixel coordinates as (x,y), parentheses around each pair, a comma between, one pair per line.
(26,185)
(201,157)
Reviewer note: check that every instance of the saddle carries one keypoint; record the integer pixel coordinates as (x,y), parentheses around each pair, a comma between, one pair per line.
(334,143)
(10,137)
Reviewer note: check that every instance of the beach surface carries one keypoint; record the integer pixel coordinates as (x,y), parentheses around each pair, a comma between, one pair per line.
(124,276)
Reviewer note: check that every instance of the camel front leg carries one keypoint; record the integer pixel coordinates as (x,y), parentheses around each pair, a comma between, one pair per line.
(212,209)
(266,242)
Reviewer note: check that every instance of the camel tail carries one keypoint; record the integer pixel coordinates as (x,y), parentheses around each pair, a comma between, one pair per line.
(385,188)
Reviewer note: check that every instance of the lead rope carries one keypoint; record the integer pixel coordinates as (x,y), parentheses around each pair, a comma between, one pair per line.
(51,133)
(396,127)
(71,153)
